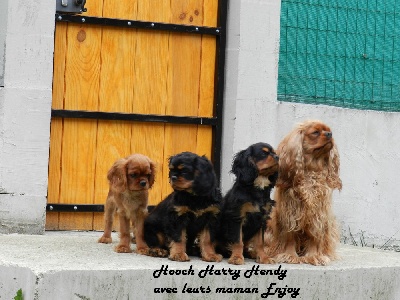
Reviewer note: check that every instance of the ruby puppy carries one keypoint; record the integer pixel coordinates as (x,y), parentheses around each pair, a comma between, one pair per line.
(130,179)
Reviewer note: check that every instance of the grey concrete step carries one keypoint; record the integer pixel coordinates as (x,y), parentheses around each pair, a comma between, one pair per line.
(72,265)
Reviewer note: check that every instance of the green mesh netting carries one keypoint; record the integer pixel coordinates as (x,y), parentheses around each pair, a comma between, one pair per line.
(340,52)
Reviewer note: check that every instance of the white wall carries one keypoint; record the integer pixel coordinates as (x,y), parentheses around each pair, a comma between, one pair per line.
(25,106)
(3,26)
(368,206)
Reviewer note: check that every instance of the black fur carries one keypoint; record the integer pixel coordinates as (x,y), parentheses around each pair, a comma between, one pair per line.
(202,193)
(246,191)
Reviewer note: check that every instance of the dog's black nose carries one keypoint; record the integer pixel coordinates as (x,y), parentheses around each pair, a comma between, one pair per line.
(328,134)
(174,178)
(143,183)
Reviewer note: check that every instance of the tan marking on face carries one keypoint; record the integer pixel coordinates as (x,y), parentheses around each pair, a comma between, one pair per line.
(182,184)
(266,150)
(267,166)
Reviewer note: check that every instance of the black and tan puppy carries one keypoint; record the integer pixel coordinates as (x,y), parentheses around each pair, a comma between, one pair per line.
(246,206)
(190,212)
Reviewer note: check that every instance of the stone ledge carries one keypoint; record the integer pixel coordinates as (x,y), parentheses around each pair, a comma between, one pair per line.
(72,265)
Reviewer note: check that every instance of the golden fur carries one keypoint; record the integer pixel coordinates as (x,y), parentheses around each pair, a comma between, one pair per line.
(302,228)
(130,179)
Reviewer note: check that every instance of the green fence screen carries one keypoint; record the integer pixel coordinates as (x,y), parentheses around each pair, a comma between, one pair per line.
(340,52)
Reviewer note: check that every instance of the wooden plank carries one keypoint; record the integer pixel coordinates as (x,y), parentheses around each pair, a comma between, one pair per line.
(78,169)
(207,79)
(94,8)
(154,10)
(79,140)
(60,168)
(115,95)
(150,91)
(53,193)
(185,59)
(208,56)
(210,13)
(204,141)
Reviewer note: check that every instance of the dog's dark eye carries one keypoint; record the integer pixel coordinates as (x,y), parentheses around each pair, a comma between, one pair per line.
(184,171)
(316,133)
(134,175)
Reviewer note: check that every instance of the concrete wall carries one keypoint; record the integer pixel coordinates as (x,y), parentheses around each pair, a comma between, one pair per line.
(367,206)
(3,26)
(25,106)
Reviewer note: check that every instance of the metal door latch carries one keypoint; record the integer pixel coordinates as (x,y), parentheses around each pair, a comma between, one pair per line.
(71,6)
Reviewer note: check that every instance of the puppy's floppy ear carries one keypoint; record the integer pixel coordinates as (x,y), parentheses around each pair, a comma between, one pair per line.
(334,180)
(153,173)
(117,175)
(291,159)
(205,180)
(244,167)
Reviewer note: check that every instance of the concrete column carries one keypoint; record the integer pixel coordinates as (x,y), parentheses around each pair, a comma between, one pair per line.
(26,61)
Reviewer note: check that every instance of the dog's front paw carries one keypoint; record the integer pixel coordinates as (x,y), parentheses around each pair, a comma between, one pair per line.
(316,260)
(123,249)
(180,256)
(288,258)
(264,259)
(157,252)
(105,240)
(236,260)
(214,257)
(142,251)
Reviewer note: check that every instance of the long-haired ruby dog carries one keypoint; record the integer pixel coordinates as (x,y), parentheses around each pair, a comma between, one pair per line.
(130,179)
(246,206)
(190,212)
(303,228)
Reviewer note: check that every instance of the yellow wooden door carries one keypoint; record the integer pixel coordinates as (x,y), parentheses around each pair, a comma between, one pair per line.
(133,71)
